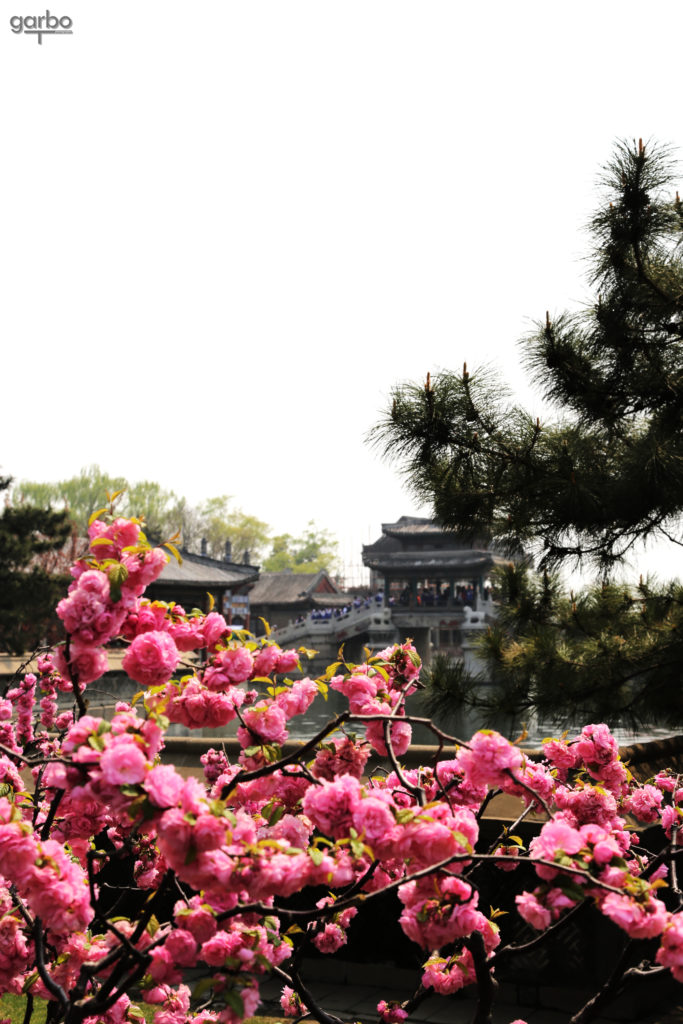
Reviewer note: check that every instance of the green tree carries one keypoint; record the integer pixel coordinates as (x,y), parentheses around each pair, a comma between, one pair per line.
(314,550)
(79,496)
(218,523)
(162,511)
(28,591)
(587,488)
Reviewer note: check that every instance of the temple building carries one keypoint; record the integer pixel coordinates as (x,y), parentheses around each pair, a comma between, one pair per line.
(437,588)
(202,582)
(279,598)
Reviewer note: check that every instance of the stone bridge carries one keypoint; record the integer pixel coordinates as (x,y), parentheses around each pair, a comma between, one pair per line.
(378,626)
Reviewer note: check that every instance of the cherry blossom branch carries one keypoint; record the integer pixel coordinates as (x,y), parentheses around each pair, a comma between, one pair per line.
(608,991)
(416,791)
(50,984)
(307,998)
(28,1012)
(528,788)
(526,947)
(486,984)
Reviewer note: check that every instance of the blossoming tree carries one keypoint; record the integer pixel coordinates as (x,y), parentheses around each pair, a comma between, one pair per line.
(214,862)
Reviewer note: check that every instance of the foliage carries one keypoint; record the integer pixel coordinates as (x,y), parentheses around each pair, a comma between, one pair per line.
(314,550)
(609,473)
(246,534)
(80,495)
(119,874)
(28,589)
(588,488)
(608,652)
(164,513)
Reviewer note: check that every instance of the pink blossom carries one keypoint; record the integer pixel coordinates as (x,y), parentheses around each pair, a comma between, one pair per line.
(359,688)
(533,911)
(391,1013)
(400,734)
(447,976)
(373,817)
(266,721)
(561,755)
(123,762)
(182,946)
(187,634)
(197,919)
(596,746)
(670,953)
(489,759)
(290,1002)
(266,660)
(86,663)
(639,919)
(340,756)
(332,805)
(88,614)
(193,705)
(122,533)
(213,629)
(287,661)
(297,698)
(151,658)
(330,939)
(644,803)
(143,568)
(164,785)
(236,663)
(588,805)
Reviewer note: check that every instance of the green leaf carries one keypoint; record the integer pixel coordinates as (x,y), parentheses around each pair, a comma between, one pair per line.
(96,515)
(234,1001)
(203,986)
(29,982)
(174,551)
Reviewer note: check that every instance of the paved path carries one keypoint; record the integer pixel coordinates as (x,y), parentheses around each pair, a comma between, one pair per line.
(352,992)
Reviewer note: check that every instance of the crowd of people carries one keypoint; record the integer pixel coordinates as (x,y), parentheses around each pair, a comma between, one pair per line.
(427,597)
(341,612)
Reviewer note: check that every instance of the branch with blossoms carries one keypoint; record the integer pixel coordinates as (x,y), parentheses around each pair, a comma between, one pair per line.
(120,877)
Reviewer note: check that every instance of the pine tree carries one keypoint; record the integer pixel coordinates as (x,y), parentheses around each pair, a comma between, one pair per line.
(28,590)
(588,488)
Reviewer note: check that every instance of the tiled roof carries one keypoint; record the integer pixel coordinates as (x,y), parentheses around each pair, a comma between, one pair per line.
(202,571)
(462,561)
(412,526)
(289,587)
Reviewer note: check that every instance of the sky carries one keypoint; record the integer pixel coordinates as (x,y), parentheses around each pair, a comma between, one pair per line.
(230,228)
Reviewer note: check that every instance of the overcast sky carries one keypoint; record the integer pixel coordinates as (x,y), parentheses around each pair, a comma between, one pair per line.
(229,228)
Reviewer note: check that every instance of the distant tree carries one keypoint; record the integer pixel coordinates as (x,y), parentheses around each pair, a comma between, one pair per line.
(79,496)
(314,550)
(28,591)
(588,488)
(162,511)
(165,514)
(218,522)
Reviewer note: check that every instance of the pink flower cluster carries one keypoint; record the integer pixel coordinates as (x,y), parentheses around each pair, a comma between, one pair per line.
(233,846)
(379,689)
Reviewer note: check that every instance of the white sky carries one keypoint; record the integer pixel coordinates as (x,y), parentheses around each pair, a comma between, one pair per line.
(229,228)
